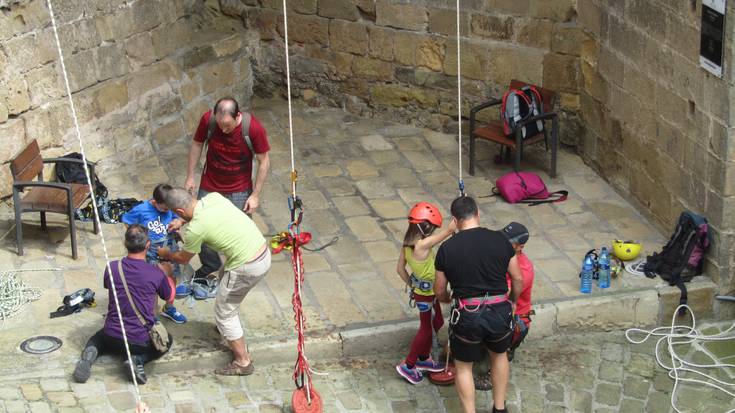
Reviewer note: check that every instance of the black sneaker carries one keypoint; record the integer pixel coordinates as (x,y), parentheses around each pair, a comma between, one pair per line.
(499,411)
(140,376)
(84,365)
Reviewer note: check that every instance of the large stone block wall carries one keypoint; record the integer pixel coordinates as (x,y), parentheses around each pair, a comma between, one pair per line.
(141,73)
(656,125)
(398,59)
(651,121)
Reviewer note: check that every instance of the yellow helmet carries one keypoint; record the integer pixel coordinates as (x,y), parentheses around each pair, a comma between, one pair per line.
(626,250)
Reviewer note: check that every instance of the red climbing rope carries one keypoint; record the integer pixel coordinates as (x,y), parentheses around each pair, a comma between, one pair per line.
(301,374)
(305,398)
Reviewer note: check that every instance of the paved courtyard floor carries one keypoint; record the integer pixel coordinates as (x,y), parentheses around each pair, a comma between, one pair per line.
(358,178)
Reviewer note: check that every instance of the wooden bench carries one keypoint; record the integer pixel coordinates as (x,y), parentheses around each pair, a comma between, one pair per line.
(493,131)
(40,196)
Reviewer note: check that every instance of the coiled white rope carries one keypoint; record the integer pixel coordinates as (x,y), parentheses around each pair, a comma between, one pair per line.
(14,294)
(679,335)
(94,201)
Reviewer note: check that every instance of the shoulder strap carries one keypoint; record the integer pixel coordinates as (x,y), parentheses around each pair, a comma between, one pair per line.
(538,94)
(127,292)
(494,192)
(210,126)
(558,196)
(245,131)
(210,130)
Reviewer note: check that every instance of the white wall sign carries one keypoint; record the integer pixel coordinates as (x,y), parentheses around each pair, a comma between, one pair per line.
(711,47)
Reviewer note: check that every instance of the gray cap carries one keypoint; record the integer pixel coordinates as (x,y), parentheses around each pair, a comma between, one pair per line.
(516,233)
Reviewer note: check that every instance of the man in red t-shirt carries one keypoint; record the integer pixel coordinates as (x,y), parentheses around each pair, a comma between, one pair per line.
(518,236)
(228,169)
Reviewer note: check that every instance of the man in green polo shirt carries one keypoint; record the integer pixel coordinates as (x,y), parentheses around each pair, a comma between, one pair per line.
(215,221)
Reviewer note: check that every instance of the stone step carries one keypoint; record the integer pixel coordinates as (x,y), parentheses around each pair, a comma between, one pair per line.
(598,312)
(195,347)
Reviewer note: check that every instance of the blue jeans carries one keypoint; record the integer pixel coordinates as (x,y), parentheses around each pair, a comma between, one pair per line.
(210,258)
(151,256)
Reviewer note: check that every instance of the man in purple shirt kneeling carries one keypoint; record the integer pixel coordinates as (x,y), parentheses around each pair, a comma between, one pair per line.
(146,282)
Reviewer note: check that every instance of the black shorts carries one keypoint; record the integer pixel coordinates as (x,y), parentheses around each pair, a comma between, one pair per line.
(489,328)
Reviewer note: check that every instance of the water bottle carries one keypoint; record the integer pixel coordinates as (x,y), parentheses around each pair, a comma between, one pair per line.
(588,267)
(604,278)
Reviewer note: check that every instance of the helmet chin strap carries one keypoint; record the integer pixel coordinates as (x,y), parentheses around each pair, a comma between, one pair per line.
(423,234)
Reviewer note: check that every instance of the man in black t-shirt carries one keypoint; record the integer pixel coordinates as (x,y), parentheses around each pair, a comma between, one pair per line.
(475,262)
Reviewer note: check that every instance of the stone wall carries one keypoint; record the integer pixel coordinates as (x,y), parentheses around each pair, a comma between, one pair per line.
(398,58)
(633,98)
(141,73)
(657,126)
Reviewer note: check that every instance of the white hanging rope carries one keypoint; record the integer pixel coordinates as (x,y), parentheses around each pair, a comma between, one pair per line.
(293,175)
(288,88)
(677,335)
(459,105)
(94,200)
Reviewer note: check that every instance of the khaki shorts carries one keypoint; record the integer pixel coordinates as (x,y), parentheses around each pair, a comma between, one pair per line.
(233,287)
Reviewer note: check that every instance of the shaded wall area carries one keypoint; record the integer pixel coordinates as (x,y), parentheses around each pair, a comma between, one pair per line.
(656,125)
(141,73)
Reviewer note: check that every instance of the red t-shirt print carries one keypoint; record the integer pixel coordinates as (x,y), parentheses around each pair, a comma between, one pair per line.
(229,166)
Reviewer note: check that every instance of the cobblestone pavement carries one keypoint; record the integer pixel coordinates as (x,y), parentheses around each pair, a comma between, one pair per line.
(597,372)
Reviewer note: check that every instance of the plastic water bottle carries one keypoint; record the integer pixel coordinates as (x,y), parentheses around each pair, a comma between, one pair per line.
(604,279)
(588,266)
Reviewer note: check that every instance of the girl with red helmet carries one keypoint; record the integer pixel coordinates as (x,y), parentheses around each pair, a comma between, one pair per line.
(418,254)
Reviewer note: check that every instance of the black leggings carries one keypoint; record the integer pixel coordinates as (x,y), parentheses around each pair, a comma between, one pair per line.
(107,344)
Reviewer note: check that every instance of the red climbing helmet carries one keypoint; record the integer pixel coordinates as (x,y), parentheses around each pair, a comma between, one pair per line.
(425,211)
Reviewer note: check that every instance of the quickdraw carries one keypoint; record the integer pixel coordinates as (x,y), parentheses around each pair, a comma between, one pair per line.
(296,207)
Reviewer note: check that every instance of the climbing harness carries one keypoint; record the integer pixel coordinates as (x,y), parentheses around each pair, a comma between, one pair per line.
(305,398)
(677,336)
(74,302)
(472,305)
(477,302)
(94,196)
(419,284)
(14,294)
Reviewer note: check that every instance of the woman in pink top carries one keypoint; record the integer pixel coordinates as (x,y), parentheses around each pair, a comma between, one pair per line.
(517,235)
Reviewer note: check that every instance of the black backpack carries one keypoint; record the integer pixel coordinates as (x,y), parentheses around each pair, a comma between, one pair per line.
(111,210)
(682,258)
(73,173)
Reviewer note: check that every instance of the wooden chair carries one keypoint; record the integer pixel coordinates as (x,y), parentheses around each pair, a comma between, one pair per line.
(40,196)
(493,131)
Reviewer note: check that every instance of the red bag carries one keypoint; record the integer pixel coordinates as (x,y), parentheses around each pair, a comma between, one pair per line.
(527,188)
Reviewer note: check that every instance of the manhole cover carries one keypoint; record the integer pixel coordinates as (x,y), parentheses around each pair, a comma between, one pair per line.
(40,344)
